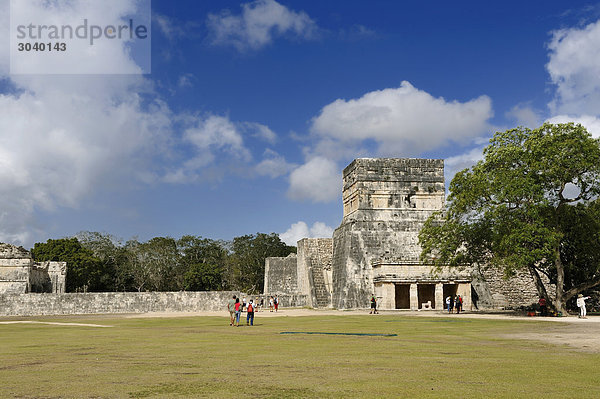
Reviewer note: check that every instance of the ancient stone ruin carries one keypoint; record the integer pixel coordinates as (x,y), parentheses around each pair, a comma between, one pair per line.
(19,274)
(375,250)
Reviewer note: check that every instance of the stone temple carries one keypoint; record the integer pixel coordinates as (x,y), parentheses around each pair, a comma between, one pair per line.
(375,250)
(19,274)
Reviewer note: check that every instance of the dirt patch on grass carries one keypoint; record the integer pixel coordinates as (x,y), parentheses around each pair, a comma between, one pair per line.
(583,337)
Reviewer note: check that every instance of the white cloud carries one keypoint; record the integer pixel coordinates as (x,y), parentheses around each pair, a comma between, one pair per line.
(104,57)
(60,142)
(261,131)
(64,139)
(217,133)
(574,68)
(167,26)
(524,115)
(591,123)
(210,137)
(4,35)
(300,230)
(186,80)
(258,24)
(455,164)
(273,165)
(403,120)
(318,180)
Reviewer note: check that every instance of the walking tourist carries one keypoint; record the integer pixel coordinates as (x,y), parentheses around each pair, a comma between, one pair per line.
(581,305)
(231,308)
(373,305)
(238,311)
(250,313)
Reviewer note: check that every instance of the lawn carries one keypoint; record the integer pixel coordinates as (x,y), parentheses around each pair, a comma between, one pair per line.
(205,357)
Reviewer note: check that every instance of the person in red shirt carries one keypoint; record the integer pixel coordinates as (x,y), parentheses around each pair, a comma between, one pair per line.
(543,307)
(238,311)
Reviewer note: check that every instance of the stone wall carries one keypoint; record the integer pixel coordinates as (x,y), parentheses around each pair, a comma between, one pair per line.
(128,302)
(281,275)
(493,291)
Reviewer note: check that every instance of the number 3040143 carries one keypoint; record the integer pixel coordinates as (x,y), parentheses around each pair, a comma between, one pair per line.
(42,46)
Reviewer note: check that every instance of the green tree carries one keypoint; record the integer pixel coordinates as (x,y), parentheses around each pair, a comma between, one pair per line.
(110,251)
(154,265)
(85,272)
(529,204)
(203,261)
(246,263)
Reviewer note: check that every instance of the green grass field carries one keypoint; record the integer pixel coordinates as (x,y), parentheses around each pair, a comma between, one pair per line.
(204,357)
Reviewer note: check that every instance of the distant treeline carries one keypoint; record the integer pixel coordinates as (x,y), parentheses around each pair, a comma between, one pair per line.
(98,262)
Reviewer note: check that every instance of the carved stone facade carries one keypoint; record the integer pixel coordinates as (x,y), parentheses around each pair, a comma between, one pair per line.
(376,248)
(19,274)
(376,251)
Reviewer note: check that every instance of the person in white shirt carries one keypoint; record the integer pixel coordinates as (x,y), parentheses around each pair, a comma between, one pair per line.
(581,305)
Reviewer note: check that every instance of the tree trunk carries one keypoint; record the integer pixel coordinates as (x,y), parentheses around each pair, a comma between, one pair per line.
(560,284)
(539,285)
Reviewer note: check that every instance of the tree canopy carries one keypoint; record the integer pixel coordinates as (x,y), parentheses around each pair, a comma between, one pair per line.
(101,262)
(85,272)
(530,204)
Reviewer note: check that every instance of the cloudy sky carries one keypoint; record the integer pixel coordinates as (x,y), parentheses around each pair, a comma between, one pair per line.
(252,109)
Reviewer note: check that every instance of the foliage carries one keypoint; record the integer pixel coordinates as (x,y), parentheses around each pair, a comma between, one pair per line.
(154,265)
(204,260)
(113,256)
(246,264)
(85,272)
(101,262)
(529,204)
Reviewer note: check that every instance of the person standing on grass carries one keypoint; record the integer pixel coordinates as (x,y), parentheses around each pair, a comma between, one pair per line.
(250,313)
(458,304)
(543,307)
(276,302)
(238,311)
(448,303)
(581,305)
(271,304)
(451,304)
(231,308)
(373,305)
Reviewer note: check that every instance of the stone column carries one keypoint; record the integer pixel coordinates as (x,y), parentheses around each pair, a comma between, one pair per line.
(439,296)
(389,296)
(464,290)
(414,297)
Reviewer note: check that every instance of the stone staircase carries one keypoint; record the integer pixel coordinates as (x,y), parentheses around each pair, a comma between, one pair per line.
(321,293)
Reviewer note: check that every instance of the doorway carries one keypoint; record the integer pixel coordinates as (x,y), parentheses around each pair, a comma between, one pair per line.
(402,296)
(426,293)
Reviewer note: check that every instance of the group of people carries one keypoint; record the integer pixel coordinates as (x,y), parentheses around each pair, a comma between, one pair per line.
(236,307)
(273,303)
(454,302)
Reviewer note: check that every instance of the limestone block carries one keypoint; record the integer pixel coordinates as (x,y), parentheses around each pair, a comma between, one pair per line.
(14,274)
(281,275)
(8,251)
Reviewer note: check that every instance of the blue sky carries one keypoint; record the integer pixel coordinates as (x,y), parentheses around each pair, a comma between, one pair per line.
(253,109)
